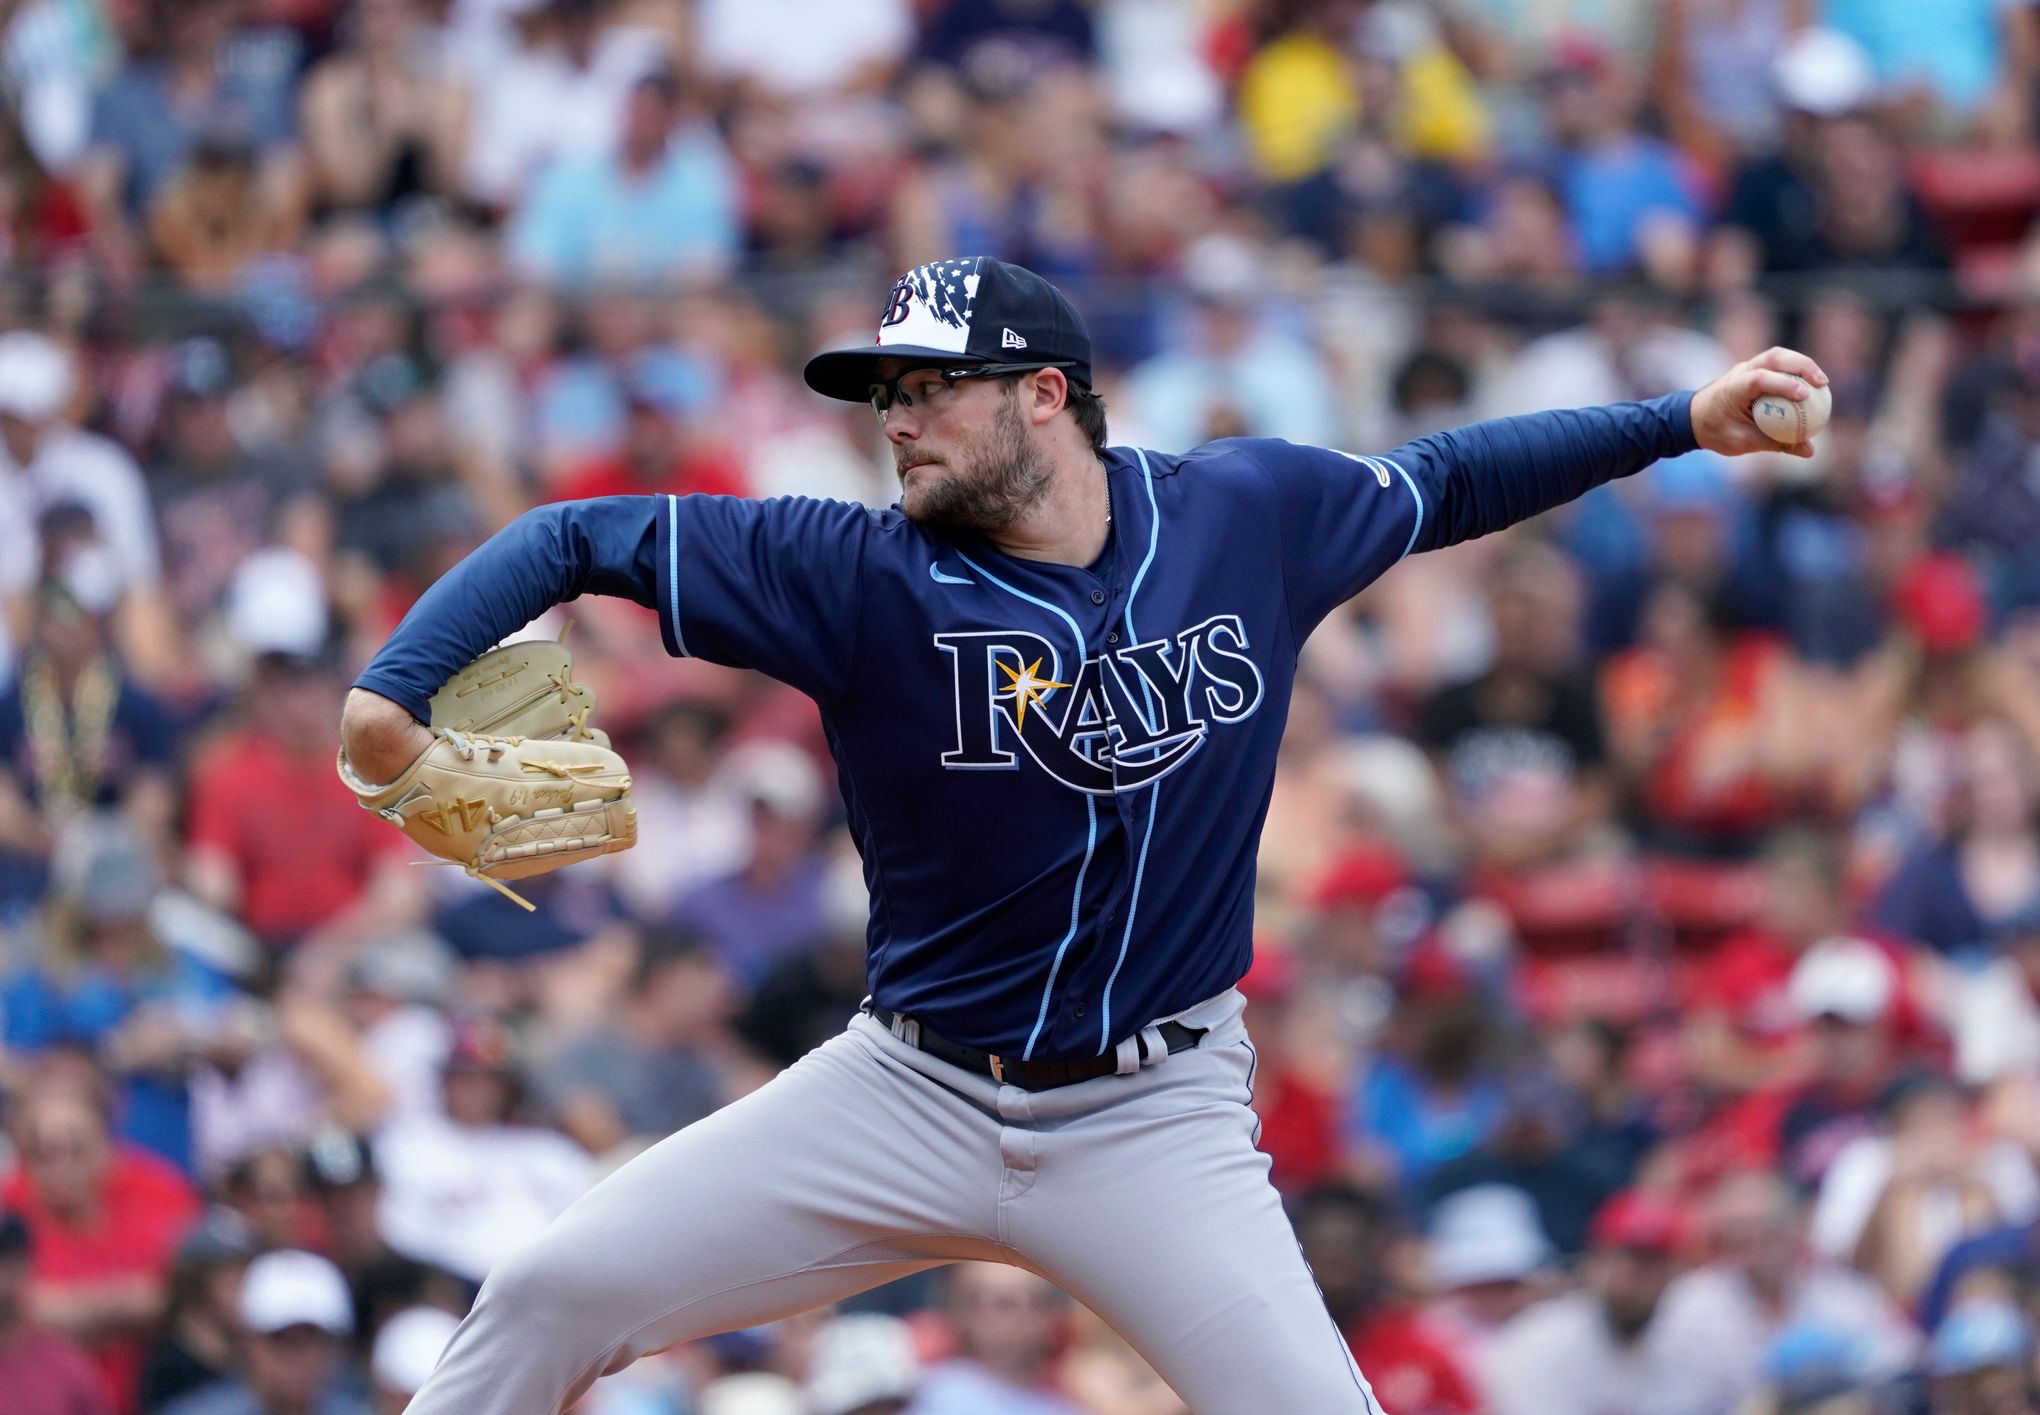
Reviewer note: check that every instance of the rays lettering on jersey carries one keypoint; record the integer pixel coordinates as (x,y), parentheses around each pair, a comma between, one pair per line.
(1124,719)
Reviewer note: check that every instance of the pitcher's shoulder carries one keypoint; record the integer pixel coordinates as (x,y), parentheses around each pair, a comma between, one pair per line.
(1228,458)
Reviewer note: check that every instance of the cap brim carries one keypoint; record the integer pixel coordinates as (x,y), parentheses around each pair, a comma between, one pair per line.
(848,374)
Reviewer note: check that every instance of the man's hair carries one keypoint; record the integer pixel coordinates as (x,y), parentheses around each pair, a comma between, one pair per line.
(1082,404)
(1089,411)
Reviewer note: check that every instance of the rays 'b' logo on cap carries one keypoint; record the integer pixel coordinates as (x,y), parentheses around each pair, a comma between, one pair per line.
(932,306)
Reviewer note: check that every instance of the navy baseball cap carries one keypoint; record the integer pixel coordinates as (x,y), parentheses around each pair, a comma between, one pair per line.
(965,312)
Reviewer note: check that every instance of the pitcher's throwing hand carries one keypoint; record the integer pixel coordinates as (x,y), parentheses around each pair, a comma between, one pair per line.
(1724,412)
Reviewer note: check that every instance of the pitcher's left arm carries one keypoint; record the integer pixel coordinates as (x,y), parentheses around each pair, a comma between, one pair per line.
(1346,518)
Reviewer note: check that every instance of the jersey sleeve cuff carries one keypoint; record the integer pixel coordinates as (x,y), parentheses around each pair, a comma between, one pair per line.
(1678,413)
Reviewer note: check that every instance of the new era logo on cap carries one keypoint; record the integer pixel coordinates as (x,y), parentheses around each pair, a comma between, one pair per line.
(1010,340)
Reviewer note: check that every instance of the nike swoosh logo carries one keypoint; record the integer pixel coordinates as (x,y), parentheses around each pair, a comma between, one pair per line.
(935,574)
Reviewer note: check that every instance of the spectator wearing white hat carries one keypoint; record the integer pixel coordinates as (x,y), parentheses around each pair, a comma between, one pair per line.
(1712,70)
(1834,193)
(1488,1259)
(751,1393)
(46,461)
(862,1365)
(406,1349)
(258,791)
(296,1316)
(1845,993)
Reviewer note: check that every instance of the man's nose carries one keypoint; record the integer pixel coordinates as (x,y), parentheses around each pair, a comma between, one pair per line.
(901,426)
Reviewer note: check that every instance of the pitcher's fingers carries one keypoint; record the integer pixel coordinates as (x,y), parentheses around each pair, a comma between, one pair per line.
(1791,361)
(1760,382)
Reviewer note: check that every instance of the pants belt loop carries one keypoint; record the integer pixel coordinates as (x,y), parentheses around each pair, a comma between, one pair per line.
(1154,1049)
(1127,1056)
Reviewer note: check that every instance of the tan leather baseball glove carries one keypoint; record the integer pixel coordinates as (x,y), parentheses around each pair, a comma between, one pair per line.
(516,781)
(519,690)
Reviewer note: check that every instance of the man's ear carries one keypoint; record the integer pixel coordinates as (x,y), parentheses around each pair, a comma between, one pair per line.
(1050,394)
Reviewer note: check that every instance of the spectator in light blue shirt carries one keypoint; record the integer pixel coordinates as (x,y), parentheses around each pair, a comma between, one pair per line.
(1237,372)
(1623,190)
(1006,1324)
(664,204)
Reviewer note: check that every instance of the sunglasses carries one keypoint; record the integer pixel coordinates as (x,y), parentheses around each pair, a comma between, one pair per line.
(884,395)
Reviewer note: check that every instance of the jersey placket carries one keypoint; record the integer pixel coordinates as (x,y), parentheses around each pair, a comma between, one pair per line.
(1135,808)
(1106,598)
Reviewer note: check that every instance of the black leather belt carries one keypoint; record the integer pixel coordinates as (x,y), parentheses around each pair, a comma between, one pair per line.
(1038,1075)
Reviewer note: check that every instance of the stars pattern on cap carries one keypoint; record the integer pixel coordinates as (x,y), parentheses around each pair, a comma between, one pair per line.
(948,289)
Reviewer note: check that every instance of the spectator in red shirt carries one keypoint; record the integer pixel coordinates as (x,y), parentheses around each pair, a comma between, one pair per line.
(1298,1071)
(1694,721)
(657,457)
(1344,1233)
(104,1225)
(1843,994)
(1741,1014)
(44,222)
(265,805)
(40,1372)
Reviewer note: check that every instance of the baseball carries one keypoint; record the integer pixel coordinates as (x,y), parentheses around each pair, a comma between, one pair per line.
(1790,423)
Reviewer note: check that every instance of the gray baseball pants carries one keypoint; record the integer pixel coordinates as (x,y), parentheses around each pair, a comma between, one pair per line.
(1140,1194)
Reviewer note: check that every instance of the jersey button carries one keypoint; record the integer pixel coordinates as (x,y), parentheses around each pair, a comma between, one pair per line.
(1080,1009)
(1112,637)
(1097,596)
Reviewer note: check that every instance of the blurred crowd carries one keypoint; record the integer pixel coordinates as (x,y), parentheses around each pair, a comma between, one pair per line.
(1648,990)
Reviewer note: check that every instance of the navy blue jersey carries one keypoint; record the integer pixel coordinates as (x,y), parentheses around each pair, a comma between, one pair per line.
(1056,775)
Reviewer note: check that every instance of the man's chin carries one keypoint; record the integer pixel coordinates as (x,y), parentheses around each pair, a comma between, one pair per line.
(925,498)
(941,513)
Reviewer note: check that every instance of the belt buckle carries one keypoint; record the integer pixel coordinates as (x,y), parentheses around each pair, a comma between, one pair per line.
(998,1067)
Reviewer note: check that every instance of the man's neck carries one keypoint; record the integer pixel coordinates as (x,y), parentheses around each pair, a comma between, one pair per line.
(1070,523)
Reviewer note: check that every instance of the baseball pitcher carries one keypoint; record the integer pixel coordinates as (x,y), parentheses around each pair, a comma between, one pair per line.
(1054,677)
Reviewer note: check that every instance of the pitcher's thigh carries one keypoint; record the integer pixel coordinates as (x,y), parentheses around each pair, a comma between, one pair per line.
(836,1176)
(1159,1217)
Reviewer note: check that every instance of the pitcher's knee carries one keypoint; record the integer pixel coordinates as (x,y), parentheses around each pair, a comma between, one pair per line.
(547,1284)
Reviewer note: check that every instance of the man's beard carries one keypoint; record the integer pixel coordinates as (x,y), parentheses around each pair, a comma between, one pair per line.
(994,478)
